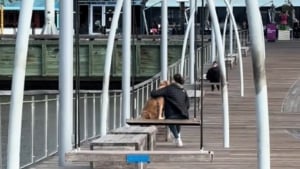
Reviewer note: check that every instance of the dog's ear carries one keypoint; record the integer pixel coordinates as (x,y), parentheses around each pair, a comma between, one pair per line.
(165,83)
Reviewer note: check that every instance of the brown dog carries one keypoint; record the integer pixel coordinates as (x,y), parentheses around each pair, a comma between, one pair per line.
(154,107)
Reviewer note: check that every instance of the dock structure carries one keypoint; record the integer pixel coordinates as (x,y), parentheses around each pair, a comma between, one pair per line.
(283,80)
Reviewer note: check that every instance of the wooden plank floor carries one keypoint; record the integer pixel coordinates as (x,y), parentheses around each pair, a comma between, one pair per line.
(283,73)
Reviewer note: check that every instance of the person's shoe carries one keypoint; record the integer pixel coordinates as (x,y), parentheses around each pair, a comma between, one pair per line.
(179,142)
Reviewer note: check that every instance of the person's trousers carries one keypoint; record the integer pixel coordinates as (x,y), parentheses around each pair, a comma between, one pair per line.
(175,129)
(213,87)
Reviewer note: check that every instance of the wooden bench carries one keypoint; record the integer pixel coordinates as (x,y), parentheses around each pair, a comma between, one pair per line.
(117,142)
(193,91)
(186,122)
(245,50)
(136,157)
(149,131)
(230,59)
(164,132)
(229,62)
(131,141)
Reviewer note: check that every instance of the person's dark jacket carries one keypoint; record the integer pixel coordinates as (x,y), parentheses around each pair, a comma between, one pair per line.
(176,100)
(213,74)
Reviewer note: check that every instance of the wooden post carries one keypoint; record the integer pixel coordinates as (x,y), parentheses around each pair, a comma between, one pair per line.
(1,20)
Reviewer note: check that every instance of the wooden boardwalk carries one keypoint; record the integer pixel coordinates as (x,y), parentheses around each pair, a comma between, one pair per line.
(283,74)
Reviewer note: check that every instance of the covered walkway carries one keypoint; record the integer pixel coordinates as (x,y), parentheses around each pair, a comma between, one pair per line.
(283,74)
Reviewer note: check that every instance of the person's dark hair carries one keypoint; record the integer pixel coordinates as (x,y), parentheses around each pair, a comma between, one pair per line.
(178,78)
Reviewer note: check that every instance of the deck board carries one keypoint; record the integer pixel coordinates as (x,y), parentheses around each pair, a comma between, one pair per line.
(282,60)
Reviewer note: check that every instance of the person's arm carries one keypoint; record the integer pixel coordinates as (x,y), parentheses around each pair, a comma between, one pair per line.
(159,92)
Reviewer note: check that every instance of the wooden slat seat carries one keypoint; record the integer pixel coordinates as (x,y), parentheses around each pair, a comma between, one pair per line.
(150,131)
(245,50)
(229,62)
(230,59)
(152,156)
(119,142)
(186,122)
(137,141)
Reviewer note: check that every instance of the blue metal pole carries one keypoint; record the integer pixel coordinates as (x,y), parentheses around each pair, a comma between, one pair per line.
(16,106)
(65,79)
(260,82)
(107,66)
(126,66)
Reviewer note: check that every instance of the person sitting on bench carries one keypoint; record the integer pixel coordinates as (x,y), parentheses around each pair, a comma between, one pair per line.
(213,75)
(176,104)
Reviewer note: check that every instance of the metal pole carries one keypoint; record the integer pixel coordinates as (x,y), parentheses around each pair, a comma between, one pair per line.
(229,8)
(49,27)
(164,40)
(186,35)
(202,69)
(195,58)
(1,139)
(213,44)
(126,66)
(215,22)
(107,67)
(192,42)
(260,82)
(77,75)
(16,106)
(65,79)
(233,23)
(2,19)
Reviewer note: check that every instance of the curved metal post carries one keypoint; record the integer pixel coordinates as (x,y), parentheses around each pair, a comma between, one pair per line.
(192,43)
(215,22)
(230,12)
(145,22)
(16,106)
(107,67)
(144,16)
(186,35)
(213,44)
(260,82)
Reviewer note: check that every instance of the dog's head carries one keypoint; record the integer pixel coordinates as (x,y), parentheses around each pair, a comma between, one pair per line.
(164,83)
